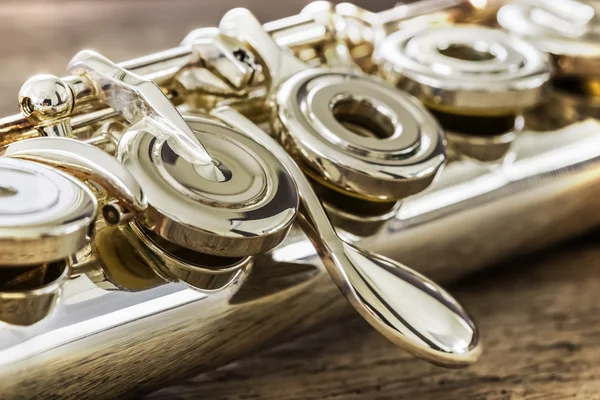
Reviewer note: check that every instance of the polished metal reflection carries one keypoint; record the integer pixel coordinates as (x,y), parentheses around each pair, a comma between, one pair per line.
(46,97)
(240,203)
(32,294)
(470,212)
(407,308)
(566,29)
(178,188)
(201,272)
(140,101)
(247,213)
(45,215)
(400,157)
(135,298)
(465,68)
(484,147)
(304,102)
(85,162)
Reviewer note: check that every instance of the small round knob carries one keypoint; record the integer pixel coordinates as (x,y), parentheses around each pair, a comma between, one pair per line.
(45,98)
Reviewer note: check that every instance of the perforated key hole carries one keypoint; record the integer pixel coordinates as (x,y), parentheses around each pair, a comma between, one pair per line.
(467,52)
(363,118)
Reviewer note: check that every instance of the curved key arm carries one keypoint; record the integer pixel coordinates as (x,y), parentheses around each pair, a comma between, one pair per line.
(406,307)
(85,162)
(139,99)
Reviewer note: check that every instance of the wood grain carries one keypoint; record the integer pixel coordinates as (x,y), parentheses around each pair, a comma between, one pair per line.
(540,318)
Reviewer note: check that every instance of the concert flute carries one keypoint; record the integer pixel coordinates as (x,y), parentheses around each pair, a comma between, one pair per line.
(196,239)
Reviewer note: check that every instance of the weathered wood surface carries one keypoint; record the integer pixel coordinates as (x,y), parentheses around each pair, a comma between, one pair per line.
(540,315)
(540,318)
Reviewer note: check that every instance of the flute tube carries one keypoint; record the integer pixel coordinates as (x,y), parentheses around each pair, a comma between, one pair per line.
(102,344)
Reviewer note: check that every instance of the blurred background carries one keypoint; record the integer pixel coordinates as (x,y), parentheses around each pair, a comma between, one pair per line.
(41,36)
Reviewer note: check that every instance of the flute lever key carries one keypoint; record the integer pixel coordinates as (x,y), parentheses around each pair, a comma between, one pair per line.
(403,305)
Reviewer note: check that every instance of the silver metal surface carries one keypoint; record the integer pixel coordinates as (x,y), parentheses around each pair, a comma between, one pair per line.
(140,101)
(45,215)
(465,221)
(203,273)
(484,147)
(26,306)
(239,202)
(163,67)
(320,114)
(305,103)
(44,98)
(467,69)
(247,211)
(85,162)
(313,117)
(569,30)
(410,310)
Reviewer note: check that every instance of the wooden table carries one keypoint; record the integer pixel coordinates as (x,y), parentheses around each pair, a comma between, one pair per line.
(540,315)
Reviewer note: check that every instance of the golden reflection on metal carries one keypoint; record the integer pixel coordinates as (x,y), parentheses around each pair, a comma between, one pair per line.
(371,283)
(157,217)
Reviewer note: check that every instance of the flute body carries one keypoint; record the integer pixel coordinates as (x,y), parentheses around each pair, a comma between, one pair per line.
(106,344)
(153,227)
